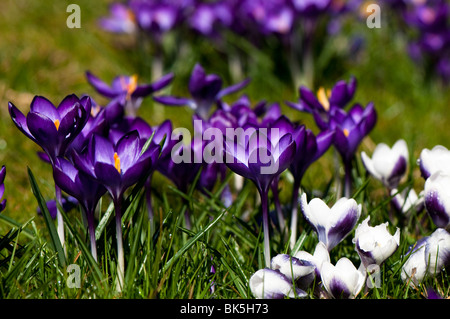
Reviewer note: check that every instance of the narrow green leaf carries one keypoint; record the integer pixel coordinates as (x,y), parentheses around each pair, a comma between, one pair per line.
(191,242)
(48,219)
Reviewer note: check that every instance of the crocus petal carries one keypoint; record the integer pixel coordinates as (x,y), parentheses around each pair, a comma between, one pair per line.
(20,120)
(342,280)
(233,88)
(42,105)
(271,284)
(100,86)
(437,199)
(292,267)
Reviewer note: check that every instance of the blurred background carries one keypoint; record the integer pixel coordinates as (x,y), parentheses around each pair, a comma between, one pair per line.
(40,55)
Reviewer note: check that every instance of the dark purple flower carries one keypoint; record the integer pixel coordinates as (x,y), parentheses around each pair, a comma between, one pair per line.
(260,156)
(205,90)
(209,18)
(127,88)
(156,17)
(68,203)
(322,105)
(53,128)
(117,165)
(351,127)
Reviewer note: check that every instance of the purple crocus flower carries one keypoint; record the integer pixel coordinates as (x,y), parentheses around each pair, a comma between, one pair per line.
(2,188)
(53,128)
(209,18)
(321,106)
(309,148)
(79,185)
(205,90)
(350,129)
(121,20)
(260,157)
(127,88)
(311,8)
(117,166)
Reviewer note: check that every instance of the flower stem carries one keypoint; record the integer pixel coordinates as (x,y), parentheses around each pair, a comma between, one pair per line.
(265,213)
(348,179)
(119,239)
(294,213)
(59,218)
(91,228)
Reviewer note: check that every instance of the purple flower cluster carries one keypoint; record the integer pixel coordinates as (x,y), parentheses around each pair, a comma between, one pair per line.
(429,22)
(291,24)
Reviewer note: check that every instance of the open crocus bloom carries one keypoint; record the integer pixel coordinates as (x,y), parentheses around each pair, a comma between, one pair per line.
(427,257)
(272,284)
(436,159)
(117,166)
(205,90)
(388,165)
(437,198)
(333,224)
(53,128)
(375,244)
(343,280)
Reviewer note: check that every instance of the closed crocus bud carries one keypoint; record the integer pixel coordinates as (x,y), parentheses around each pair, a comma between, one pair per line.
(333,224)
(375,244)
(342,281)
(407,200)
(427,257)
(436,159)
(293,268)
(388,165)
(272,284)
(437,198)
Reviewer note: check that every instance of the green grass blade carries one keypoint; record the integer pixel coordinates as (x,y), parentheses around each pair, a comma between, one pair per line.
(191,242)
(48,219)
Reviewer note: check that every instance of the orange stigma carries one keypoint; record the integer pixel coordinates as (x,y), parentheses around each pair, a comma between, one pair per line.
(56,124)
(132,85)
(117,162)
(322,96)
(346,132)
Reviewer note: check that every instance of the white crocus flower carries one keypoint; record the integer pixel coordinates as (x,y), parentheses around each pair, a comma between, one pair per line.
(343,280)
(437,198)
(407,200)
(427,257)
(333,224)
(375,244)
(436,159)
(320,255)
(388,165)
(272,284)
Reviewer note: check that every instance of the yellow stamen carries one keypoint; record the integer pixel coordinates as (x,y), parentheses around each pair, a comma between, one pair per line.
(117,162)
(56,124)
(346,132)
(323,98)
(132,85)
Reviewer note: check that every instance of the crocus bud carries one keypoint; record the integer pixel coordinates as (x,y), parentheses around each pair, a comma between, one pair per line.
(437,198)
(333,224)
(375,244)
(343,280)
(436,159)
(388,165)
(272,284)
(427,257)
